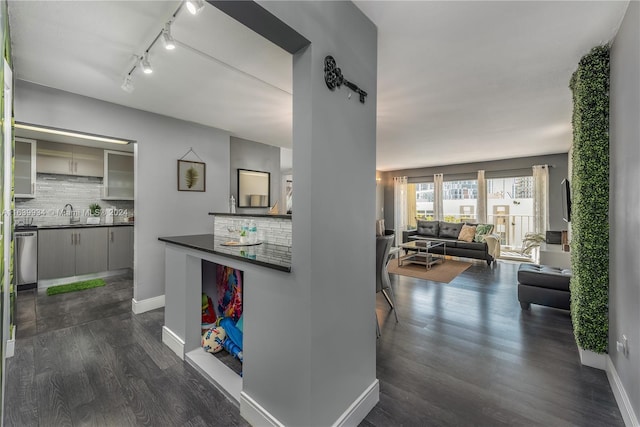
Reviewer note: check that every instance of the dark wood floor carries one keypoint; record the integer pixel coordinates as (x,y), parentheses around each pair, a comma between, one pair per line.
(83,359)
(463,354)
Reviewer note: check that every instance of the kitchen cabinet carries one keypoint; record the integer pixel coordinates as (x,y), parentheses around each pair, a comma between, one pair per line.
(69,159)
(25,168)
(71,252)
(118,175)
(120,247)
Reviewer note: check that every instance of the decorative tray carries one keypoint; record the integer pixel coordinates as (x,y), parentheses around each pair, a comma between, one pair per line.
(234,243)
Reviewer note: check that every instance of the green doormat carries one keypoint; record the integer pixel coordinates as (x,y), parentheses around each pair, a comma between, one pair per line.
(77,286)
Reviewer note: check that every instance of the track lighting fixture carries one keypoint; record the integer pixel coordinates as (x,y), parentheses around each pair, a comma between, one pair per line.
(142,62)
(127,84)
(195,6)
(145,64)
(169,43)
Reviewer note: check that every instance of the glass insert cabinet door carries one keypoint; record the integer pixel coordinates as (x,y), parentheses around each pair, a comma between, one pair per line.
(254,189)
(25,168)
(118,175)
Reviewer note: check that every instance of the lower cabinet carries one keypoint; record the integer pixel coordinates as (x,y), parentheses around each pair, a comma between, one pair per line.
(71,252)
(75,251)
(120,247)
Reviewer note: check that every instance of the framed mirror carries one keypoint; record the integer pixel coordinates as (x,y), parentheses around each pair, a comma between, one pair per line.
(254,189)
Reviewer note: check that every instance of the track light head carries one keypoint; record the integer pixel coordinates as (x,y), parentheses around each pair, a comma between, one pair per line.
(195,6)
(127,84)
(169,42)
(145,64)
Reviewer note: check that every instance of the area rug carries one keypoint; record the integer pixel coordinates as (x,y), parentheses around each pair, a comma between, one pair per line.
(444,273)
(77,286)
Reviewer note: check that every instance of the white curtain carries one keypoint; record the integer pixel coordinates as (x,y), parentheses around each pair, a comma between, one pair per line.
(437,197)
(482,198)
(400,211)
(540,198)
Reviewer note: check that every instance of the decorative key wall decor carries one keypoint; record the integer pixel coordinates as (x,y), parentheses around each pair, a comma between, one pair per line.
(333,78)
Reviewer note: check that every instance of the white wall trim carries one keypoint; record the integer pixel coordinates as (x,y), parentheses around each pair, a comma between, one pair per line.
(253,412)
(594,360)
(11,343)
(622,398)
(359,409)
(148,304)
(174,342)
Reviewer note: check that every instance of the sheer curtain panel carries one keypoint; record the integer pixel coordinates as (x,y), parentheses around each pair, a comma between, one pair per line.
(481,218)
(438,210)
(400,209)
(540,198)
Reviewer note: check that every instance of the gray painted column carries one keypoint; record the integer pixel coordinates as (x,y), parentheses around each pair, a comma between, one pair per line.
(326,304)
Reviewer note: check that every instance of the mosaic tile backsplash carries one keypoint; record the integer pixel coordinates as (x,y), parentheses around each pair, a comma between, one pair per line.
(271,230)
(53,192)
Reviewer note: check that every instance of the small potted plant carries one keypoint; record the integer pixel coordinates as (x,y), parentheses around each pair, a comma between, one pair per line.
(95,209)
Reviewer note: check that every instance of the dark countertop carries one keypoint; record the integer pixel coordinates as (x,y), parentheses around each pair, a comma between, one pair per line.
(248,214)
(63,226)
(266,254)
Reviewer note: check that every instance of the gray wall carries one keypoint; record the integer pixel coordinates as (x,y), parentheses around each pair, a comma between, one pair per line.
(493,169)
(161,210)
(245,154)
(324,309)
(624,218)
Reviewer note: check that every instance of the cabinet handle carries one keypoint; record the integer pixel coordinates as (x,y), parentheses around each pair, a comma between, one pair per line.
(76,167)
(79,235)
(112,236)
(71,166)
(72,240)
(33,188)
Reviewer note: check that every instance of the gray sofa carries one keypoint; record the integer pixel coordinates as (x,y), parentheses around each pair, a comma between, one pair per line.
(488,250)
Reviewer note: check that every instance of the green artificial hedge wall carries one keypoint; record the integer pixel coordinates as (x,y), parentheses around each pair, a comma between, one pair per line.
(590,201)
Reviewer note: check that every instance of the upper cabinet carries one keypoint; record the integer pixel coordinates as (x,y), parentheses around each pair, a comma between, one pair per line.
(68,159)
(118,175)
(25,168)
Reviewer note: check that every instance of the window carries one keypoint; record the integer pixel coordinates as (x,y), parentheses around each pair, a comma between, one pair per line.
(424,200)
(510,208)
(459,200)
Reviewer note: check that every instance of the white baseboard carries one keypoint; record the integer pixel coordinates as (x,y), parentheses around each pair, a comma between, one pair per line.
(148,304)
(44,284)
(594,360)
(628,414)
(173,341)
(11,342)
(256,415)
(359,409)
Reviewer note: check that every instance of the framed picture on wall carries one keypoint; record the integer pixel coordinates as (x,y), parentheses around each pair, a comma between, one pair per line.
(191,176)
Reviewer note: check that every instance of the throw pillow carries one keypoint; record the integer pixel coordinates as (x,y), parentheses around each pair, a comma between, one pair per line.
(481,231)
(467,233)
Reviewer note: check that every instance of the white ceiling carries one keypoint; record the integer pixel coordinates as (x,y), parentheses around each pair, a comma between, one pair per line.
(457,81)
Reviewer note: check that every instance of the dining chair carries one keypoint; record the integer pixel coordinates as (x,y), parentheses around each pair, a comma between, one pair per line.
(383,284)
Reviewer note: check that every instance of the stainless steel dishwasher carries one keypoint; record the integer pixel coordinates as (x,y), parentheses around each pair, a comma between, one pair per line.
(26,261)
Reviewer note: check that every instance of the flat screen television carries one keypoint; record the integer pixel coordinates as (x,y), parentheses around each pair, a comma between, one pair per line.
(566,200)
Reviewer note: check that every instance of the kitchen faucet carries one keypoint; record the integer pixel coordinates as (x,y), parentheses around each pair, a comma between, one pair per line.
(72,219)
